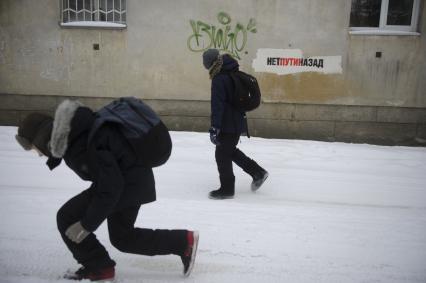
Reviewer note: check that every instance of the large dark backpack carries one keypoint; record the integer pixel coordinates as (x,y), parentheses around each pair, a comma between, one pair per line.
(146,133)
(246,96)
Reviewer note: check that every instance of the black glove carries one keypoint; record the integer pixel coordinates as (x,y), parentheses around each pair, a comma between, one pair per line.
(214,135)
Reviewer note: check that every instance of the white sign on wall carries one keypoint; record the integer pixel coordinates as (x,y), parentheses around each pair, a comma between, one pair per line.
(291,61)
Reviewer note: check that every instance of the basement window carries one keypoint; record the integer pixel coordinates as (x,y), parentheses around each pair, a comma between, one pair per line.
(384,17)
(93,13)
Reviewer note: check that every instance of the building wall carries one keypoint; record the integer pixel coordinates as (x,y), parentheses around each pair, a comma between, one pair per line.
(158,58)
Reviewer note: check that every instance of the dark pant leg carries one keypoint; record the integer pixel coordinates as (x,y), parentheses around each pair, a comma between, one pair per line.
(126,238)
(89,253)
(247,164)
(224,155)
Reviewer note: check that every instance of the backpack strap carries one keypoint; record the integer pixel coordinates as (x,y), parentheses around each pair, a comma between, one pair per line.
(245,118)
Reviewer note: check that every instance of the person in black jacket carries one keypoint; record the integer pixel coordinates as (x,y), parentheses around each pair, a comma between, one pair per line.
(120,185)
(227,125)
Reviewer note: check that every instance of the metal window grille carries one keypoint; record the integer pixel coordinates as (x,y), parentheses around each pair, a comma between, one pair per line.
(112,11)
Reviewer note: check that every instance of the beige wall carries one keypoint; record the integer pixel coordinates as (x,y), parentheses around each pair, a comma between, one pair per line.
(373,100)
(151,58)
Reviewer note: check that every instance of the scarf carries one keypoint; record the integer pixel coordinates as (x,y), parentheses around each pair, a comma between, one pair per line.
(216,67)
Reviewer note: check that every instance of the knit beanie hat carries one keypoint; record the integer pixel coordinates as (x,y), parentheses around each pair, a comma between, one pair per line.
(35,130)
(209,57)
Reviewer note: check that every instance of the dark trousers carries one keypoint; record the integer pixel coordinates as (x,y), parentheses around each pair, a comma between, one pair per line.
(123,235)
(226,153)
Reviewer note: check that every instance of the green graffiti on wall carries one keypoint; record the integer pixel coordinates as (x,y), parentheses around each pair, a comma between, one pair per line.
(225,38)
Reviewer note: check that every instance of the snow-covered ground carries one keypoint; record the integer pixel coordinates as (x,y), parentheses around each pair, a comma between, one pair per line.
(329,212)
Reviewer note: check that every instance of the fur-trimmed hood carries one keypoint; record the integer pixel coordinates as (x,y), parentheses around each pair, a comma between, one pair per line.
(62,127)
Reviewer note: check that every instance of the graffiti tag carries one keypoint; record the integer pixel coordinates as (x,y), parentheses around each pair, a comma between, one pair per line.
(225,38)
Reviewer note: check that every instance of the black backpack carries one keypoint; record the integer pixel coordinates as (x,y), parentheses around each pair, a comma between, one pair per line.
(146,133)
(246,96)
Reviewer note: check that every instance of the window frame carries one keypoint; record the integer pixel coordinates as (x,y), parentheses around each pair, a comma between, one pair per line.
(95,8)
(384,28)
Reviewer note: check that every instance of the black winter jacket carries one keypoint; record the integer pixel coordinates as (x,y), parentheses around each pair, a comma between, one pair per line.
(223,115)
(118,181)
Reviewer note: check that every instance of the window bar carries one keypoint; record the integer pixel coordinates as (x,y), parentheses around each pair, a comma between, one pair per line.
(415,15)
(113,11)
(120,13)
(383,14)
(69,15)
(106,11)
(84,10)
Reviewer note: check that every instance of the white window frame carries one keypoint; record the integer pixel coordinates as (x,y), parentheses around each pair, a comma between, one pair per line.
(96,11)
(385,29)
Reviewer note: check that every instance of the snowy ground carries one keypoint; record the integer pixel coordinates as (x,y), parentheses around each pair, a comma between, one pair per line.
(329,212)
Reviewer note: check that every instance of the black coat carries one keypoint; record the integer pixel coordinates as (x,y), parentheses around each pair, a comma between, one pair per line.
(223,115)
(108,161)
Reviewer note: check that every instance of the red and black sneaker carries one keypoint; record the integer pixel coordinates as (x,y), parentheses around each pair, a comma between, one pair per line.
(105,274)
(188,258)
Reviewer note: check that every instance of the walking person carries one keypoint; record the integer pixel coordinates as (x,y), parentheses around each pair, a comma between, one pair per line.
(227,125)
(120,185)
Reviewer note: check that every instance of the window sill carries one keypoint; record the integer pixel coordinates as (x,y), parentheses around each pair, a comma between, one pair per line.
(382,32)
(89,24)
